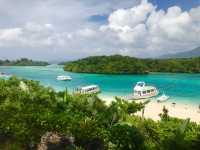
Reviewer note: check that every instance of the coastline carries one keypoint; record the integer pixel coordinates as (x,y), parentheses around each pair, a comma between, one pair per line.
(185,97)
(153,109)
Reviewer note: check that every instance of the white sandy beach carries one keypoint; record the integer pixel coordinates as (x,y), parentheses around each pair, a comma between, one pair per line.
(179,110)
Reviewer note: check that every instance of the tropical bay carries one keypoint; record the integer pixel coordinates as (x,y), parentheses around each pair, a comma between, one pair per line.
(181,87)
(100,75)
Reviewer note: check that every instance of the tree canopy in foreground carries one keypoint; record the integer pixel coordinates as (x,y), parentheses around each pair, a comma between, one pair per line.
(117,64)
(36,117)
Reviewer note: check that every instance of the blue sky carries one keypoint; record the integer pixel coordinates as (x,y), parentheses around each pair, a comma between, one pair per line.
(184,4)
(102,18)
(59,30)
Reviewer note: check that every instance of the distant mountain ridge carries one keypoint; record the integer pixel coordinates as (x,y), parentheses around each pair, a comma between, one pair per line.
(187,54)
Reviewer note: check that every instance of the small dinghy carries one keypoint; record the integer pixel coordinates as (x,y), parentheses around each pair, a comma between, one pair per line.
(162,98)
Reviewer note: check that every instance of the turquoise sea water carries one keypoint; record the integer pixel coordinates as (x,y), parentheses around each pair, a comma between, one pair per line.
(180,87)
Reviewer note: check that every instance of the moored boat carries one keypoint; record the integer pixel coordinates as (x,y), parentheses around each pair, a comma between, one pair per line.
(64,78)
(90,89)
(143,91)
(4,75)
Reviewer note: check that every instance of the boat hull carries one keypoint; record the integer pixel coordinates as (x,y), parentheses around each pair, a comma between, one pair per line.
(136,97)
(64,78)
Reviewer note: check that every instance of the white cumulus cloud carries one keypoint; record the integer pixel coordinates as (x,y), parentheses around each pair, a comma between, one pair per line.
(61,29)
(155,31)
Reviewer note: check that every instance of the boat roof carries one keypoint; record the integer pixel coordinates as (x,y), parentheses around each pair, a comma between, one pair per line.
(63,76)
(148,87)
(145,88)
(89,87)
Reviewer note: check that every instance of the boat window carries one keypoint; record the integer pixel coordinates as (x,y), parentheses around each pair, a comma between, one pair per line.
(137,92)
(144,92)
(148,91)
(152,90)
(91,89)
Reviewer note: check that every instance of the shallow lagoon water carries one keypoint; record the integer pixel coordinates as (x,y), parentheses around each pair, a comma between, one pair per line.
(180,87)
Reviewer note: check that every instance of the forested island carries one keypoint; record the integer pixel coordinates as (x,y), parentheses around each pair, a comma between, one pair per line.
(22,62)
(36,117)
(117,64)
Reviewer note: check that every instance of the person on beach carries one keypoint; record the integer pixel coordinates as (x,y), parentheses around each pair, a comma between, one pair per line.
(173,104)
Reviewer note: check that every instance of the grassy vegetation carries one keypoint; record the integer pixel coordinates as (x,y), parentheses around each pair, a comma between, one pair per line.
(22,62)
(117,64)
(28,111)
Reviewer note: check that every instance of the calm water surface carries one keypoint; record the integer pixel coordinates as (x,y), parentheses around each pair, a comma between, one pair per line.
(180,87)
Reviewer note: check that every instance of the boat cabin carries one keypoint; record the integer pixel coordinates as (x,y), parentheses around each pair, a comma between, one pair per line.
(91,89)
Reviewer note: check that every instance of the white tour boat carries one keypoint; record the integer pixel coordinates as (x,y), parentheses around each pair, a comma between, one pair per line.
(4,75)
(143,91)
(91,89)
(64,78)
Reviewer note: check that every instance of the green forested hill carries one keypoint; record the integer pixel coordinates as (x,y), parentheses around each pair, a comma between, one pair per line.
(117,64)
(22,62)
(107,64)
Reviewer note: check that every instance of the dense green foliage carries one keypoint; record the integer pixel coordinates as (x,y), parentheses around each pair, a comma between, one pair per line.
(22,62)
(117,64)
(29,110)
